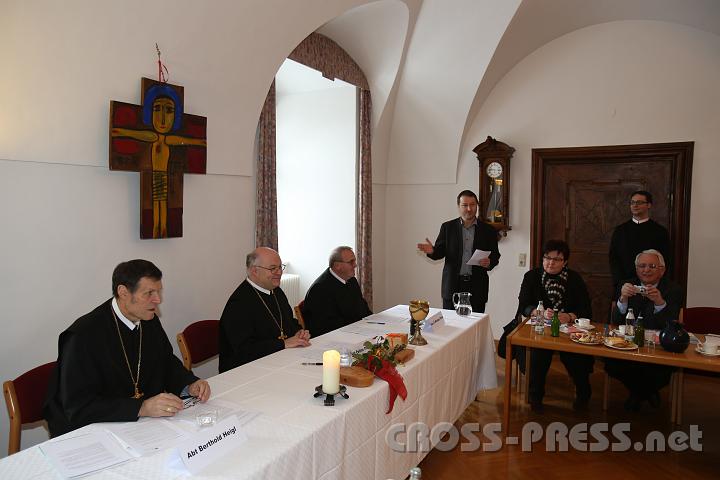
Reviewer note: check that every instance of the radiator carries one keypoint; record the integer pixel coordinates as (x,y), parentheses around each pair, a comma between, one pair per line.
(290,284)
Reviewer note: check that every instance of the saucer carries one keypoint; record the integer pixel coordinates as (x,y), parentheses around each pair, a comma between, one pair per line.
(699,350)
(570,328)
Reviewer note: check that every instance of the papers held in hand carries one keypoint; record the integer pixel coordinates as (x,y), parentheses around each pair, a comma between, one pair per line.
(477,256)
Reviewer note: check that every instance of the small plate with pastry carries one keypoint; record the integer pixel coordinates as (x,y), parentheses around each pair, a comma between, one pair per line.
(619,343)
(587,338)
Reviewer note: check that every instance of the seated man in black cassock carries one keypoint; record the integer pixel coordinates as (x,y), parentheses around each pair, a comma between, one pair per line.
(658,302)
(257,319)
(334,299)
(116,364)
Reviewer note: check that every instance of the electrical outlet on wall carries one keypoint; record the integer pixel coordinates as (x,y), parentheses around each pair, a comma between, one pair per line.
(522,259)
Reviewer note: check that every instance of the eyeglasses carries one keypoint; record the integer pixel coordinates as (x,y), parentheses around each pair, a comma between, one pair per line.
(273,268)
(651,266)
(638,202)
(553,259)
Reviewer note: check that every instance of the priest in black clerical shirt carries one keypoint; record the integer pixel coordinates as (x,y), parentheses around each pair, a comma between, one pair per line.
(334,299)
(116,364)
(638,234)
(257,319)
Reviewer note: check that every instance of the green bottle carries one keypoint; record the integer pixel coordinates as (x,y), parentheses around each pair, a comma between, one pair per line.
(639,332)
(555,325)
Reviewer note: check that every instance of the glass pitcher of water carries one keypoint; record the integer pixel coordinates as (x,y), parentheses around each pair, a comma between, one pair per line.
(461,302)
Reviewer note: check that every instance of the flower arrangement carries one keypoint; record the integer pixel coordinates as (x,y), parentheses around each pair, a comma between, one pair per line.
(379,358)
(371,356)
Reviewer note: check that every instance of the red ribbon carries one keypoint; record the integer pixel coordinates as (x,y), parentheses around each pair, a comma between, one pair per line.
(395,381)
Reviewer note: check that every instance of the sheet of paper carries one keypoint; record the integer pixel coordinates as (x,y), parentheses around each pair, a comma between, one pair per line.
(477,256)
(398,311)
(147,435)
(86,453)
(366,330)
(385,319)
(224,409)
(314,352)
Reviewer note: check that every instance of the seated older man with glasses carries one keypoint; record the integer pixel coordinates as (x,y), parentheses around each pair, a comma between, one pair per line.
(658,300)
(257,319)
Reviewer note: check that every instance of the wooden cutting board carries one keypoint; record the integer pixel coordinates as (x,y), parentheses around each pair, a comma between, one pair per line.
(404,356)
(356,376)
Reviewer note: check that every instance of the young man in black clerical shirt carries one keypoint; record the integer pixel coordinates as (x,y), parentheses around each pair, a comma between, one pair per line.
(334,299)
(634,236)
(257,319)
(116,364)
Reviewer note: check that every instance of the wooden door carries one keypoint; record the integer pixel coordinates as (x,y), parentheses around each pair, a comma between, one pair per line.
(581,194)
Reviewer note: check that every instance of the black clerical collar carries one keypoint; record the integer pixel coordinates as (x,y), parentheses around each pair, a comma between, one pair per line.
(258,287)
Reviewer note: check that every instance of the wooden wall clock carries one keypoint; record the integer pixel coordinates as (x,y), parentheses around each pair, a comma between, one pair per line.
(494,192)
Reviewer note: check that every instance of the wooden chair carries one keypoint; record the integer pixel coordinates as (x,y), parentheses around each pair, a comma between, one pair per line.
(298,313)
(24,398)
(700,320)
(198,342)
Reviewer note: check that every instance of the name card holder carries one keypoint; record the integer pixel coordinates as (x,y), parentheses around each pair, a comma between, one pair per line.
(209,444)
(436,320)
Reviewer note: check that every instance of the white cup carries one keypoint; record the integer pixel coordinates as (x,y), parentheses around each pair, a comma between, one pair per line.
(582,322)
(622,328)
(711,345)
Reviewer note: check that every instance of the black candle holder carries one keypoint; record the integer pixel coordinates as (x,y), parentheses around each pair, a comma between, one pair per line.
(330,397)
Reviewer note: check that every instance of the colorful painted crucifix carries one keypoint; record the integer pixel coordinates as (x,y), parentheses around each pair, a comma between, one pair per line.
(162,143)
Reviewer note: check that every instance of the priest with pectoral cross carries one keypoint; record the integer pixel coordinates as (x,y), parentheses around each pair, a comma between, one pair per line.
(257,319)
(116,364)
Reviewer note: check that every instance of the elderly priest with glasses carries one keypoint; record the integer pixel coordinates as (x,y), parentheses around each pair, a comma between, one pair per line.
(257,319)
(658,300)
(116,364)
(335,299)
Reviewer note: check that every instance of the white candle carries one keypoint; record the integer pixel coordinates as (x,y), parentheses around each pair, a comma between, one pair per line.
(331,371)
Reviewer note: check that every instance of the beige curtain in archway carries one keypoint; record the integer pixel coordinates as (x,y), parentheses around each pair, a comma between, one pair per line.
(266,229)
(319,52)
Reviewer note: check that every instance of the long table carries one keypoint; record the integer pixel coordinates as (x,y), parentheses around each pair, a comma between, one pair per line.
(296,437)
(524,336)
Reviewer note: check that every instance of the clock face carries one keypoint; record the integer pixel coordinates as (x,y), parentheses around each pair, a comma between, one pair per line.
(494,170)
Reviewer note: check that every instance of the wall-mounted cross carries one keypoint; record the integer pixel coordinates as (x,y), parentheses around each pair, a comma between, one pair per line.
(162,143)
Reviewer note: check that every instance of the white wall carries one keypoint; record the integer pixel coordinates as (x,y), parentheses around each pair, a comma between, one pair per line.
(623,82)
(452,44)
(316,172)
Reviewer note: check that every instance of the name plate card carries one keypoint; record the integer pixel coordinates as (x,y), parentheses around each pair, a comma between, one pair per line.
(211,443)
(435,320)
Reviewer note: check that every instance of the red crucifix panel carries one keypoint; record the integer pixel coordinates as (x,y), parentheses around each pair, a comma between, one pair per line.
(163,143)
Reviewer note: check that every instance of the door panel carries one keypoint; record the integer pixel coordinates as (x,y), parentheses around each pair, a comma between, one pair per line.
(581,194)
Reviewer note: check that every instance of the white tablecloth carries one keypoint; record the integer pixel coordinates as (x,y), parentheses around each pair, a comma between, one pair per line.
(296,437)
